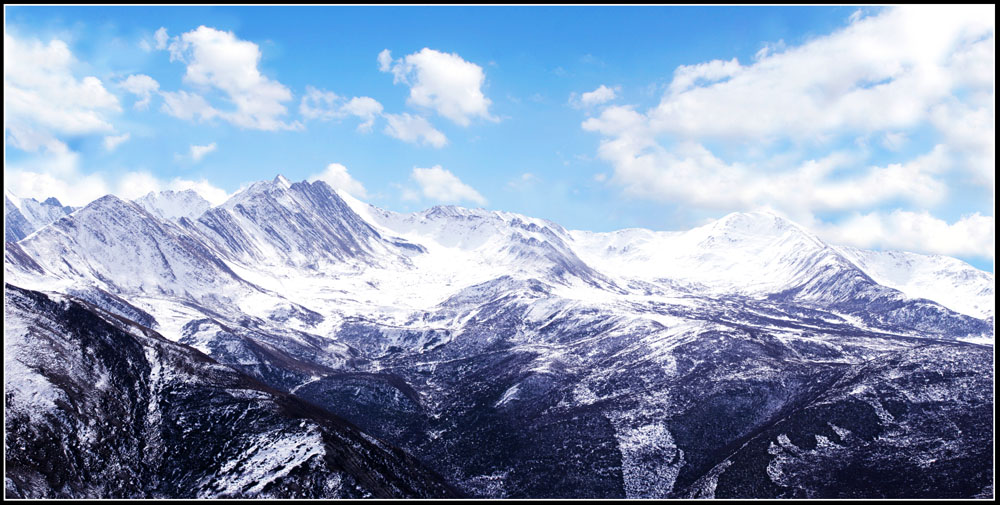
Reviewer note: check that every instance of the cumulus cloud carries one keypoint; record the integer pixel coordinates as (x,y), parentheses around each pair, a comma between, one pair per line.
(219,60)
(327,105)
(134,185)
(43,98)
(56,173)
(45,102)
(441,185)
(143,86)
(414,129)
(790,129)
(199,152)
(385,60)
(443,82)
(111,142)
(366,108)
(691,173)
(187,106)
(833,82)
(161,38)
(337,177)
(972,235)
(320,104)
(591,98)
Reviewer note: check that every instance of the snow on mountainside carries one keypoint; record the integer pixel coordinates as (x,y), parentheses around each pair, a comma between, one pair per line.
(40,214)
(519,359)
(759,253)
(302,225)
(24,216)
(948,281)
(121,247)
(748,253)
(101,407)
(16,226)
(169,204)
(501,243)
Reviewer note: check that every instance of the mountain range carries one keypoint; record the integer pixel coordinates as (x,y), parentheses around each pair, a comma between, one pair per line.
(297,342)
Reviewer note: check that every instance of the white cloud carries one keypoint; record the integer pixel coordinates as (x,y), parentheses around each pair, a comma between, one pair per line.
(365,108)
(111,142)
(327,105)
(785,122)
(972,235)
(42,94)
(591,98)
(692,174)
(320,104)
(78,191)
(686,76)
(138,184)
(440,81)
(880,73)
(969,131)
(32,139)
(384,60)
(184,105)
(441,185)
(337,177)
(218,59)
(57,174)
(199,152)
(414,129)
(160,36)
(142,86)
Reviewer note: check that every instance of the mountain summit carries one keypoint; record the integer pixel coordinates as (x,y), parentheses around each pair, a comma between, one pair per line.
(297,342)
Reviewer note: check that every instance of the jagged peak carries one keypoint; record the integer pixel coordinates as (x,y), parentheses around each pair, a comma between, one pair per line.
(446,211)
(169,192)
(280,180)
(277,185)
(171,204)
(108,200)
(111,203)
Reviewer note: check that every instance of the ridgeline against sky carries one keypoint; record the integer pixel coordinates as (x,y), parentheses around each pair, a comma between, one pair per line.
(873,127)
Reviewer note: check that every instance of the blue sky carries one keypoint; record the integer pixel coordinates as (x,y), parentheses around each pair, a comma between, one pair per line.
(872,127)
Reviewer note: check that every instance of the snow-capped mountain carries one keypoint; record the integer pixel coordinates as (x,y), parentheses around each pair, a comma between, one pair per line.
(742,358)
(755,253)
(303,225)
(24,216)
(491,242)
(169,204)
(948,281)
(117,245)
(16,226)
